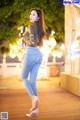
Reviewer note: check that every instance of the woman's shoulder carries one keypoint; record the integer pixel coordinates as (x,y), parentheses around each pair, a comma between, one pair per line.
(34,27)
(30,27)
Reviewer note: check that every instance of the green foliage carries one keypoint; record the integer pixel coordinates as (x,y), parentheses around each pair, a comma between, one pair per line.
(14,13)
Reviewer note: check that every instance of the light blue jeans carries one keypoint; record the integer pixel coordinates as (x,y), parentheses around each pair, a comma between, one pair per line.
(31,64)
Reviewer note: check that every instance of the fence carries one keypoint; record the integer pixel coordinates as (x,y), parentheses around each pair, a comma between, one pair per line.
(49,70)
(10,69)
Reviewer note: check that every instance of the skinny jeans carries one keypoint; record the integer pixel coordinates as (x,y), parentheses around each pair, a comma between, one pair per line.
(31,64)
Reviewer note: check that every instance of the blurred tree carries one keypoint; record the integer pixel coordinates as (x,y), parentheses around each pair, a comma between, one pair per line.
(14,13)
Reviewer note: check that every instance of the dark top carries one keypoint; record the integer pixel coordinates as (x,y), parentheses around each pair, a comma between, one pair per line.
(30,37)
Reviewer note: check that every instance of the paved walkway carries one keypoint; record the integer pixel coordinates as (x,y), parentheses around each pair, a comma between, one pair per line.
(55,102)
(15,82)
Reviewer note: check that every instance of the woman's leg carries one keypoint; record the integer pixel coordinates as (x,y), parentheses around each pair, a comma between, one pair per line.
(31,65)
(33,77)
(25,75)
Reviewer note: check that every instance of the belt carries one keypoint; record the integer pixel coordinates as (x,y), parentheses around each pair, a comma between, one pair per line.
(32,46)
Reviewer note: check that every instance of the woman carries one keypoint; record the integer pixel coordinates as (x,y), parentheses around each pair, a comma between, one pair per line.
(33,57)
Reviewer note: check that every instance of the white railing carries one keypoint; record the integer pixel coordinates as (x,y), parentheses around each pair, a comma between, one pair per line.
(9,69)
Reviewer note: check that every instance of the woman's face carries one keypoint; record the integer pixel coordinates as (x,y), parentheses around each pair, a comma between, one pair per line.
(34,16)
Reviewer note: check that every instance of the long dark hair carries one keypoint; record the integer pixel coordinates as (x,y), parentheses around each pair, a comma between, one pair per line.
(41,25)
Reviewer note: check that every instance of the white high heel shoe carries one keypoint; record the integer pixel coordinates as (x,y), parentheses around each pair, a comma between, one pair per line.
(34,112)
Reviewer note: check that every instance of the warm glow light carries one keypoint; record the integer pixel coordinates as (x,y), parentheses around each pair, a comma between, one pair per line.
(45,51)
(52,42)
(12,55)
(21,29)
(26,28)
(54,54)
(52,32)
(78,20)
(62,47)
(17,50)
(59,54)
(74,50)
